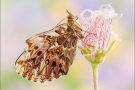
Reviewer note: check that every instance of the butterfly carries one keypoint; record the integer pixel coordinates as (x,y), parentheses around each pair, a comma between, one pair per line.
(48,55)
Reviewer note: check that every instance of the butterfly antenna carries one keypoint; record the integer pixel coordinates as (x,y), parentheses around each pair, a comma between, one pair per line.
(63,19)
(69,12)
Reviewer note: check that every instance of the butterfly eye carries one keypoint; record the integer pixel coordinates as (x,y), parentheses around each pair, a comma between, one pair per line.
(71,17)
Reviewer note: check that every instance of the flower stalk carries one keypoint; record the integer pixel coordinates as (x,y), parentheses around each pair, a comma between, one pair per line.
(95,75)
(95,61)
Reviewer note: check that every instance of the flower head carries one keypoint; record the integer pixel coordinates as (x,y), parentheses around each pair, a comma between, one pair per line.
(97,32)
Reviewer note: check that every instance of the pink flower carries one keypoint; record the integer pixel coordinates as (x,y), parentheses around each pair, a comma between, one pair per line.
(97,27)
(97,41)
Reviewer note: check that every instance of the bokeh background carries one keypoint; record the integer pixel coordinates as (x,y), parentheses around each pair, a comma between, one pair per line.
(21,19)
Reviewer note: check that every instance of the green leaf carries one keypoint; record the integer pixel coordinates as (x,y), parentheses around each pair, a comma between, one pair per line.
(110,47)
(85,50)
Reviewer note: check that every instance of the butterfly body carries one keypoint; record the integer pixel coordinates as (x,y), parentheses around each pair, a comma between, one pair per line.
(48,55)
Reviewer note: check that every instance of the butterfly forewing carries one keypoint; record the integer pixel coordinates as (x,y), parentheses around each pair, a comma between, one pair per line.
(48,55)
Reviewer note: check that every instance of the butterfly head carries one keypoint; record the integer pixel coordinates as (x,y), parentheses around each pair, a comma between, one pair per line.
(71,17)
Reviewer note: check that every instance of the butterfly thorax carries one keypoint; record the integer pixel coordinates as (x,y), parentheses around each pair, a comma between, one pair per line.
(74,25)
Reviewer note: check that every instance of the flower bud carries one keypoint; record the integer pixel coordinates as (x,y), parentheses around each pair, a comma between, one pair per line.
(97,32)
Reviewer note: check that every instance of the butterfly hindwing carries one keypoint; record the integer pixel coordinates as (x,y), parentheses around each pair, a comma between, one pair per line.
(48,55)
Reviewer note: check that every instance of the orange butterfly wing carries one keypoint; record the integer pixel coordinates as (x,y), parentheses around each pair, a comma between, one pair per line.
(48,55)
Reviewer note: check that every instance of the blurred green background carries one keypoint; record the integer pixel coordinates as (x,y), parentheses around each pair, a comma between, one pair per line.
(21,19)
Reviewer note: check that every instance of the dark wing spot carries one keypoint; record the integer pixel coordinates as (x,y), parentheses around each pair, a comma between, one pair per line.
(60,65)
(33,59)
(54,64)
(61,71)
(60,40)
(60,30)
(36,47)
(39,53)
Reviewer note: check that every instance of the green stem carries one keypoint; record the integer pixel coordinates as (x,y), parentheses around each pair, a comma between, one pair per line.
(95,75)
